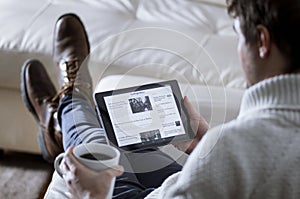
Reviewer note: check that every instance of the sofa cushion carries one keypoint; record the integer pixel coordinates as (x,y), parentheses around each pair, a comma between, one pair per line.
(195,38)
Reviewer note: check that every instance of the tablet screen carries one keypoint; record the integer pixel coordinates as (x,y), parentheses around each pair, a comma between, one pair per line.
(143,116)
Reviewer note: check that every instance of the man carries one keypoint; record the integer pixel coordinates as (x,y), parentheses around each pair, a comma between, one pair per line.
(76,115)
(258,154)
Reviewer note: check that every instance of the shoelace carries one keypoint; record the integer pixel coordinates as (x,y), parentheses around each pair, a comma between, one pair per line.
(70,70)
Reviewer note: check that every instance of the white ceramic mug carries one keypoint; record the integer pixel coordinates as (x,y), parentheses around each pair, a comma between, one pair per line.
(92,149)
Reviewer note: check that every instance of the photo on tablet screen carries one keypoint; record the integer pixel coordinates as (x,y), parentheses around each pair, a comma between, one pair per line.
(139,105)
(145,115)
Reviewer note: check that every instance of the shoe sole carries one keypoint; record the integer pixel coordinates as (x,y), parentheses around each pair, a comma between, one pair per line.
(29,106)
(24,89)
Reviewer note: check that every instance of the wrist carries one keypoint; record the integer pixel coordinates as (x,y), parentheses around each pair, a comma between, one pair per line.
(192,145)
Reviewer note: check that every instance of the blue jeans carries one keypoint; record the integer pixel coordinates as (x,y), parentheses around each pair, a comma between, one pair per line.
(144,170)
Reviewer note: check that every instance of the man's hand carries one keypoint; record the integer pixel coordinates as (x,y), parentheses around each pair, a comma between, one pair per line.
(83,182)
(198,125)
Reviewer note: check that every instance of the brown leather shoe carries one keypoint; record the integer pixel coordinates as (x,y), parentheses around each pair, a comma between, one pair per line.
(37,92)
(71,49)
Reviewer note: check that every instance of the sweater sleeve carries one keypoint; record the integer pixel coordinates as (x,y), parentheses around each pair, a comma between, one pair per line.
(210,172)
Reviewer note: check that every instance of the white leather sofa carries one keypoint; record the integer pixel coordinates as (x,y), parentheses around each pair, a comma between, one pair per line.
(132,42)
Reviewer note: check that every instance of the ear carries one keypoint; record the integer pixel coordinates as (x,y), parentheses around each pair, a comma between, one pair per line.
(264,42)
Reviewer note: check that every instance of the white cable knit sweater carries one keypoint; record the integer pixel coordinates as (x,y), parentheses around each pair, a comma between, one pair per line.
(255,156)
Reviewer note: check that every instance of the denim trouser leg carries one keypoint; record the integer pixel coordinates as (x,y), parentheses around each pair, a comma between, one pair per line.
(78,121)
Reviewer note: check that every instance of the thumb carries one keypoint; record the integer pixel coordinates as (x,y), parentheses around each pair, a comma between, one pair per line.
(193,115)
(71,160)
(190,108)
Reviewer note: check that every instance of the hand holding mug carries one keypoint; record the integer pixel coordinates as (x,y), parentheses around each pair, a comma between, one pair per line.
(85,174)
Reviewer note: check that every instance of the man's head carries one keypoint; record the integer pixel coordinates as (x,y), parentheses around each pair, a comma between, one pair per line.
(269,36)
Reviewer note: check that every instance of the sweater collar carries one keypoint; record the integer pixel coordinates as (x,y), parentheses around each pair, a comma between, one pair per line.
(280,92)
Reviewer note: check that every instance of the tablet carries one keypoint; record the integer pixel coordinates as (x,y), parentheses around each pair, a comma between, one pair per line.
(143,116)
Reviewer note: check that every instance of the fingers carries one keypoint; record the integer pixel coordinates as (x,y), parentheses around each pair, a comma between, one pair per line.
(74,168)
(116,171)
(192,114)
(71,160)
(197,123)
(189,107)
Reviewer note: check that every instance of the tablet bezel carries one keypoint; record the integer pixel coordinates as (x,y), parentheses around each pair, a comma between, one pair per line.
(106,122)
